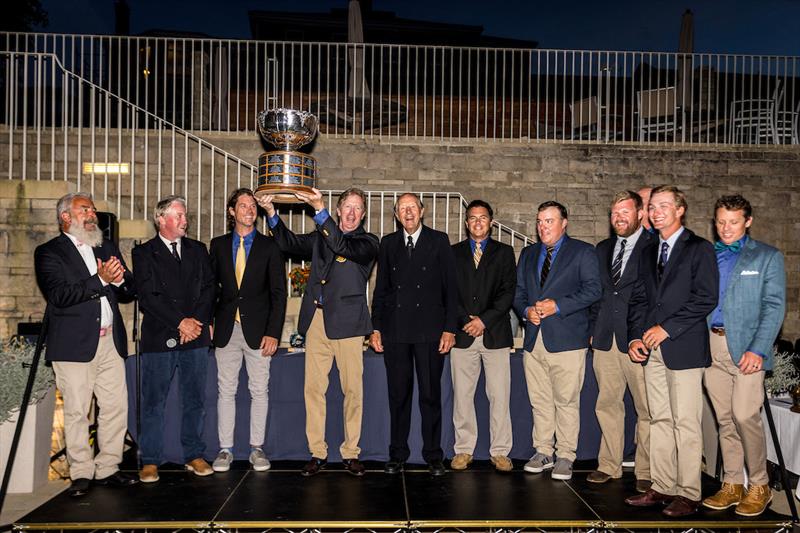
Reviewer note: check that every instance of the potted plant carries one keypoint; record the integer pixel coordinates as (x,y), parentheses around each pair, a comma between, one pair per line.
(784,378)
(33,453)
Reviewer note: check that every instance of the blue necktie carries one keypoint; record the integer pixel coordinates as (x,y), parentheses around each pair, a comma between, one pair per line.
(662,259)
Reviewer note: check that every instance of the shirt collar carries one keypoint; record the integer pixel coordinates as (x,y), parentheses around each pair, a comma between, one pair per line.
(247,238)
(414,236)
(672,238)
(631,240)
(167,241)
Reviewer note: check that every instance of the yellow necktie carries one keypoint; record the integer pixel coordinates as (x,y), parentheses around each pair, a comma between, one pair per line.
(241,259)
(477,254)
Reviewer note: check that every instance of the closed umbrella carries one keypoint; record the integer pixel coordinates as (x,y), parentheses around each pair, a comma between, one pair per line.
(355,38)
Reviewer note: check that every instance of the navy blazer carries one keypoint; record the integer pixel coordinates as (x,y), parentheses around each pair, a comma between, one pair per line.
(415,300)
(170,291)
(73,299)
(486,292)
(574,284)
(261,300)
(340,267)
(609,315)
(680,302)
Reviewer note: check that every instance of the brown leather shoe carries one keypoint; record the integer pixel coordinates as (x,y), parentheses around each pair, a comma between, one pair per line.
(354,466)
(755,501)
(681,506)
(649,499)
(313,466)
(199,467)
(597,477)
(502,463)
(643,485)
(728,495)
(148,474)
(460,461)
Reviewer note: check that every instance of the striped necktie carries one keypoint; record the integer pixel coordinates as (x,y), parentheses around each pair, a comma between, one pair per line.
(477,254)
(546,266)
(616,266)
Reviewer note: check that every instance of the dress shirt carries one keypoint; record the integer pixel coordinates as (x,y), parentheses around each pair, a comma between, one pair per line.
(543,255)
(248,243)
(671,241)
(168,244)
(414,236)
(726,260)
(472,243)
(106,315)
(630,243)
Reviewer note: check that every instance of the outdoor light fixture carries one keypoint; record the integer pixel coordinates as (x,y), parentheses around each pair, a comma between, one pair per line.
(106,168)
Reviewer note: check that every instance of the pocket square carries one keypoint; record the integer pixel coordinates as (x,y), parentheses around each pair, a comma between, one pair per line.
(749,273)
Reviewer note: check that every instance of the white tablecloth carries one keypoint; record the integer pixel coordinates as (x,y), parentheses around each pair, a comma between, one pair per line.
(787,425)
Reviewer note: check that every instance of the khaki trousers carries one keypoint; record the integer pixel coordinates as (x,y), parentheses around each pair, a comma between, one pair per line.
(465,366)
(554,389)
(737,400)
(103,376)
(349,356)
(614,371)
(676,437)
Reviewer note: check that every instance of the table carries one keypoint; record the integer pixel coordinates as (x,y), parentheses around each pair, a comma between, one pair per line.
(787,426)
(286,418)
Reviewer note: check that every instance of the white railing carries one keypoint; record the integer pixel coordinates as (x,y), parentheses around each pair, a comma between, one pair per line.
(53,121)
(447,93)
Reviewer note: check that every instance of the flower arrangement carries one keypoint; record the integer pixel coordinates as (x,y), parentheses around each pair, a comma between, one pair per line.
(15,359)
(785,376)
(298,277)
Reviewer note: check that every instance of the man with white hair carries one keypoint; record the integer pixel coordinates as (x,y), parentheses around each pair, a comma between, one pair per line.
(83,278)
(176,290)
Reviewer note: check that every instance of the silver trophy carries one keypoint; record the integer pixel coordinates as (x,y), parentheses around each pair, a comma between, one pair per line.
(285,171)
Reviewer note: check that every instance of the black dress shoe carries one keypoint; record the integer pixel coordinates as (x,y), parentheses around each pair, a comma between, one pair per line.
(117,479)
(313,466)
(79,487)
(394,467)
(437,468)
(354,466)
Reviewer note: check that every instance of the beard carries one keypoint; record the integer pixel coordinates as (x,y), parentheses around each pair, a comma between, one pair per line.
(93,238)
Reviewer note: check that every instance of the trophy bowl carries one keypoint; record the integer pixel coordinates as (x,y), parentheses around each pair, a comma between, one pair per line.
(285,171)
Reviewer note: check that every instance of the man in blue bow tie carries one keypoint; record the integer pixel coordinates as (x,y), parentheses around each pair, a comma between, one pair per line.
(752,301)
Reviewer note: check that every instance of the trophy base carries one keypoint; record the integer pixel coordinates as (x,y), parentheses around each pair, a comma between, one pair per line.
(283,194)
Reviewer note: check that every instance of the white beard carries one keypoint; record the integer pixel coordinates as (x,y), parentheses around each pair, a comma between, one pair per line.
(93,238)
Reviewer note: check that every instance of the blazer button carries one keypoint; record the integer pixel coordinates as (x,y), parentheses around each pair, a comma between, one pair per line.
(418,286)
(423,268)
(615,293)
(398,305)
(322,282)
(417,305)
(240,297)
(97,320)
(399,286)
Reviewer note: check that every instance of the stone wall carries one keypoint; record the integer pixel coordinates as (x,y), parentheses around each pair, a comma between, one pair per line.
(513,177)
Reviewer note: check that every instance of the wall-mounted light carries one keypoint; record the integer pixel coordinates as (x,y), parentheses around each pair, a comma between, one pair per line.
(106,168)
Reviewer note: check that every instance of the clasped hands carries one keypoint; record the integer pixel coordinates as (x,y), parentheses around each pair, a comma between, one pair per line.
(541,310)
(639,349)
(111,271)
(189,329)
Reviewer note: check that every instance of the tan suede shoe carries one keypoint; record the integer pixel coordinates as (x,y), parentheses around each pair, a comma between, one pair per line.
(755,501)
(148,474)
(460,461)
(727,496)
(502,463)
(199,467)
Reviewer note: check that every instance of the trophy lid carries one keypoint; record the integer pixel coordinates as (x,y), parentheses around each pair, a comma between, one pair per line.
(288,129)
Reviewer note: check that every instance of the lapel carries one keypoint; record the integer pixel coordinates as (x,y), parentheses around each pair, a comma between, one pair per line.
(534,270)
(490,247)
(631,272)
(72,254)
(163,255)
(746,258)
(674,256)
(563,256)
(228,268)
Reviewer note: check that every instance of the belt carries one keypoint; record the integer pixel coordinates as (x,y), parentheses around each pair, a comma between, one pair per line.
(105,331)
(718,331)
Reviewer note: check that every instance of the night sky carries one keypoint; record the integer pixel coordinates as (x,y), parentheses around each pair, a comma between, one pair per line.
(721,26)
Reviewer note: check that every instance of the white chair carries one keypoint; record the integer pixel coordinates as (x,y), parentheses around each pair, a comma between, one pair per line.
(755,120)
(657,112)
(585,118)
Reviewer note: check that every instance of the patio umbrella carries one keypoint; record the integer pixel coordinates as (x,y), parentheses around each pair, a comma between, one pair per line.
(357,87)
(684,63)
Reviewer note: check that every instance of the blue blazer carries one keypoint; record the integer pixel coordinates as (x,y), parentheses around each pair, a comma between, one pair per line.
(755,301)
(573,282)
(687,292)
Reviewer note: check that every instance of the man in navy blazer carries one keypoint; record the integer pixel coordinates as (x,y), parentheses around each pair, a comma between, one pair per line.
(414,310)
(677,288)
(175,283)
(334,316)
(558,279)
(83,278)
(619,270)
(744,325)
(251,303)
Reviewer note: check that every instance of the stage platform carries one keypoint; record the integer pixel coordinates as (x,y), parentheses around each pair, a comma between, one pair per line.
(478,499)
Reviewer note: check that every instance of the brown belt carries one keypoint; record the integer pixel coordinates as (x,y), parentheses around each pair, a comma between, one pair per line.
(718,331)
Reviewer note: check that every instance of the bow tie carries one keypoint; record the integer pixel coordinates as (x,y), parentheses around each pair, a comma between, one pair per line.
(734,247)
